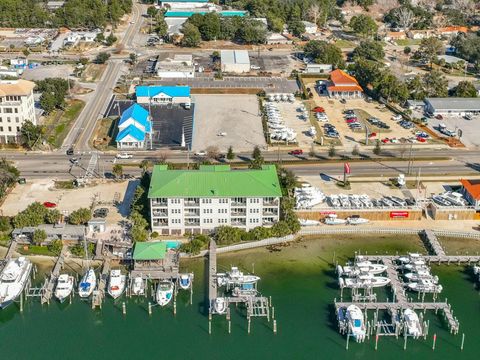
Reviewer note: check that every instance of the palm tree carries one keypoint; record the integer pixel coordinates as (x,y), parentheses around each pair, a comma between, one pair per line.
(117,170)
(145,165)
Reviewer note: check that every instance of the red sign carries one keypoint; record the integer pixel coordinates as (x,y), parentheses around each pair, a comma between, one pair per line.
(327,212)
(346,168)
(398,214)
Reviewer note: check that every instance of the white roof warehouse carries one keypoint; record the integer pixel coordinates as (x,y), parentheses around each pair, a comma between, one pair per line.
(452,105)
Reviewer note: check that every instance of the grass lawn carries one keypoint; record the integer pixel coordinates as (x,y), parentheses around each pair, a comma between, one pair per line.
(455,246)
(68,184)
(35,250)
(59,122)
(104,134)
(345,43)
(408,42)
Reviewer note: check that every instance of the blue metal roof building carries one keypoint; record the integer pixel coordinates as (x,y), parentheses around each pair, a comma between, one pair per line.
(131,130)
(133,127)
(172,91)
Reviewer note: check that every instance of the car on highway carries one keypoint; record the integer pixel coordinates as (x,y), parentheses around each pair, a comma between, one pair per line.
(200,153)
(124,156)
(49,204)
(296,152)
(439,117)
(74,161)
(69,151)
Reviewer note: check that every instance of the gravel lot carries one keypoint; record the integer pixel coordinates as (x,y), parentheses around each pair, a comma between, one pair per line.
(48,71)
(236,115)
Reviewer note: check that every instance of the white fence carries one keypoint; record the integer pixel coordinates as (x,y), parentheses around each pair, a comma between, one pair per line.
(332,231)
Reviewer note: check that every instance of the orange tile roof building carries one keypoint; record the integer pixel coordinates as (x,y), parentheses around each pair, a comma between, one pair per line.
(471,192)
(343,85)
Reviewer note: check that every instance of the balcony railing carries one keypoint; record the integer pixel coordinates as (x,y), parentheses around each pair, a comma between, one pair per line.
(192,223)
(270,202)
(191,203)
(160,224)
(159,203)
(239,213)
(160,214)
(239,203)
(192,213)
(269,212)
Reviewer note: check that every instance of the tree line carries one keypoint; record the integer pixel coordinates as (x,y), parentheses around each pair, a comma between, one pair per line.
(74,14)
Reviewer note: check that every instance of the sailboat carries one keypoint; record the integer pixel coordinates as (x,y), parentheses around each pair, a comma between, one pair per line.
(13,279)
(116,284)
(356,323)
(412,323)
(185,281)
(164,292)
(87,284)
(64,287)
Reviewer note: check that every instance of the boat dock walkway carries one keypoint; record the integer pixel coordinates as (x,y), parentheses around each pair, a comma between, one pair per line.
(395,283)
(99,292)
(212,272)
(433,243)
(11,249)
(50,285)
(453,323)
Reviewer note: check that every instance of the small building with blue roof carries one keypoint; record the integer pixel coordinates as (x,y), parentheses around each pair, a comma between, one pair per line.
(134,128)
(163,95)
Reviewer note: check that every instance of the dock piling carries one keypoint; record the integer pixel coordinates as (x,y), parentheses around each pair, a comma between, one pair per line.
(463,340)
(175,307)
(124,308)
(434,341)
(274,326)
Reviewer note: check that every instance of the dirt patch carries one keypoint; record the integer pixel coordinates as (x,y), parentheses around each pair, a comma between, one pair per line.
(93,72)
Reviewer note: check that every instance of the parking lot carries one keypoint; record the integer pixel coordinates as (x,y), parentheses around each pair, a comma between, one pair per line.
(469,128)
(237,116)
(48,71)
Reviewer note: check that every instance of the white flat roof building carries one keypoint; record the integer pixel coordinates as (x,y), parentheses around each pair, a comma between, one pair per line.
(452,105)
(235,61)
(181,66)
(16,106)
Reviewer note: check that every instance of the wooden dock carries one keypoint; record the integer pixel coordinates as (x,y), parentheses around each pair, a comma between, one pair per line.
(50,285)
(212,273)
(433,243)
(395,283)
(99,292)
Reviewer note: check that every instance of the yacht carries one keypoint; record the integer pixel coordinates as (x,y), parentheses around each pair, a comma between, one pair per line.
(64,287)
(13,279)
(332,219)
(185,281)
(455,198)
(356,323)
(164,292)
(365,281)
(138,287)
(116,284)
(425,286)
(220,305)
(307,222)
(356,220)
(235,276)
(87,284)
(412,323)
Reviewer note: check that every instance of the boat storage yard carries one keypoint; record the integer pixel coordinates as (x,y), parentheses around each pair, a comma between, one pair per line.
(405,275)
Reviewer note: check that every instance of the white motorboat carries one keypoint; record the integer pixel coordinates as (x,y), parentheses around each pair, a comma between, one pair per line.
(421,273)
(355,200)
(425,286)
(116,284)
(334,201)
(332,219)
(412,323)
(307,197)
(364,267)
(164,292)
(344,201)
(356,323)
(185,281)
(64,287)
(356,220)
(13,280)
(308,222)
(455,198)
(220,305)
(87,284)
(236,277)
(363,281)
(410,258)
(138,287)
(365,199)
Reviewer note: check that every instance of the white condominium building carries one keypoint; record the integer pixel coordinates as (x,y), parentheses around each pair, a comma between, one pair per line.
(16,106)
(198,201)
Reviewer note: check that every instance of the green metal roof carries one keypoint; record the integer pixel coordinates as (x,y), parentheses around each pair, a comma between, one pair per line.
(149,250)
(214,181)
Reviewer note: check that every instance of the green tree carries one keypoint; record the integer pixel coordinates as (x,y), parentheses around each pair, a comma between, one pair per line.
(102,58)
(161,27)
(252,32)
(145,165)
(296,27)
(287,178)
(39,236)
(133,57)
(275,23)
(33,215)
(363,25)
(100,37)
(84,61)
(257,160)
(138,234)
(55,246)
(53,216)
(369,49)
(80,216)
(230,153)
(392,89)
(225,235)
(31,134)
(210,26)
(110,40)
(117,170)
(428,50)
(324,53)
(152,11)
(435,84)
(191,35)
(332,151)
(407,50)
(5,224)
(377,150)
(465,89)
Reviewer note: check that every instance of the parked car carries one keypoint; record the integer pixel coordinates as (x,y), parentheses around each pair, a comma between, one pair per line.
(200,153)
(468,117)
(343,101)
(74,161)
(439,117)
(70,151)
(49,204)
(296,152)
(124,156)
